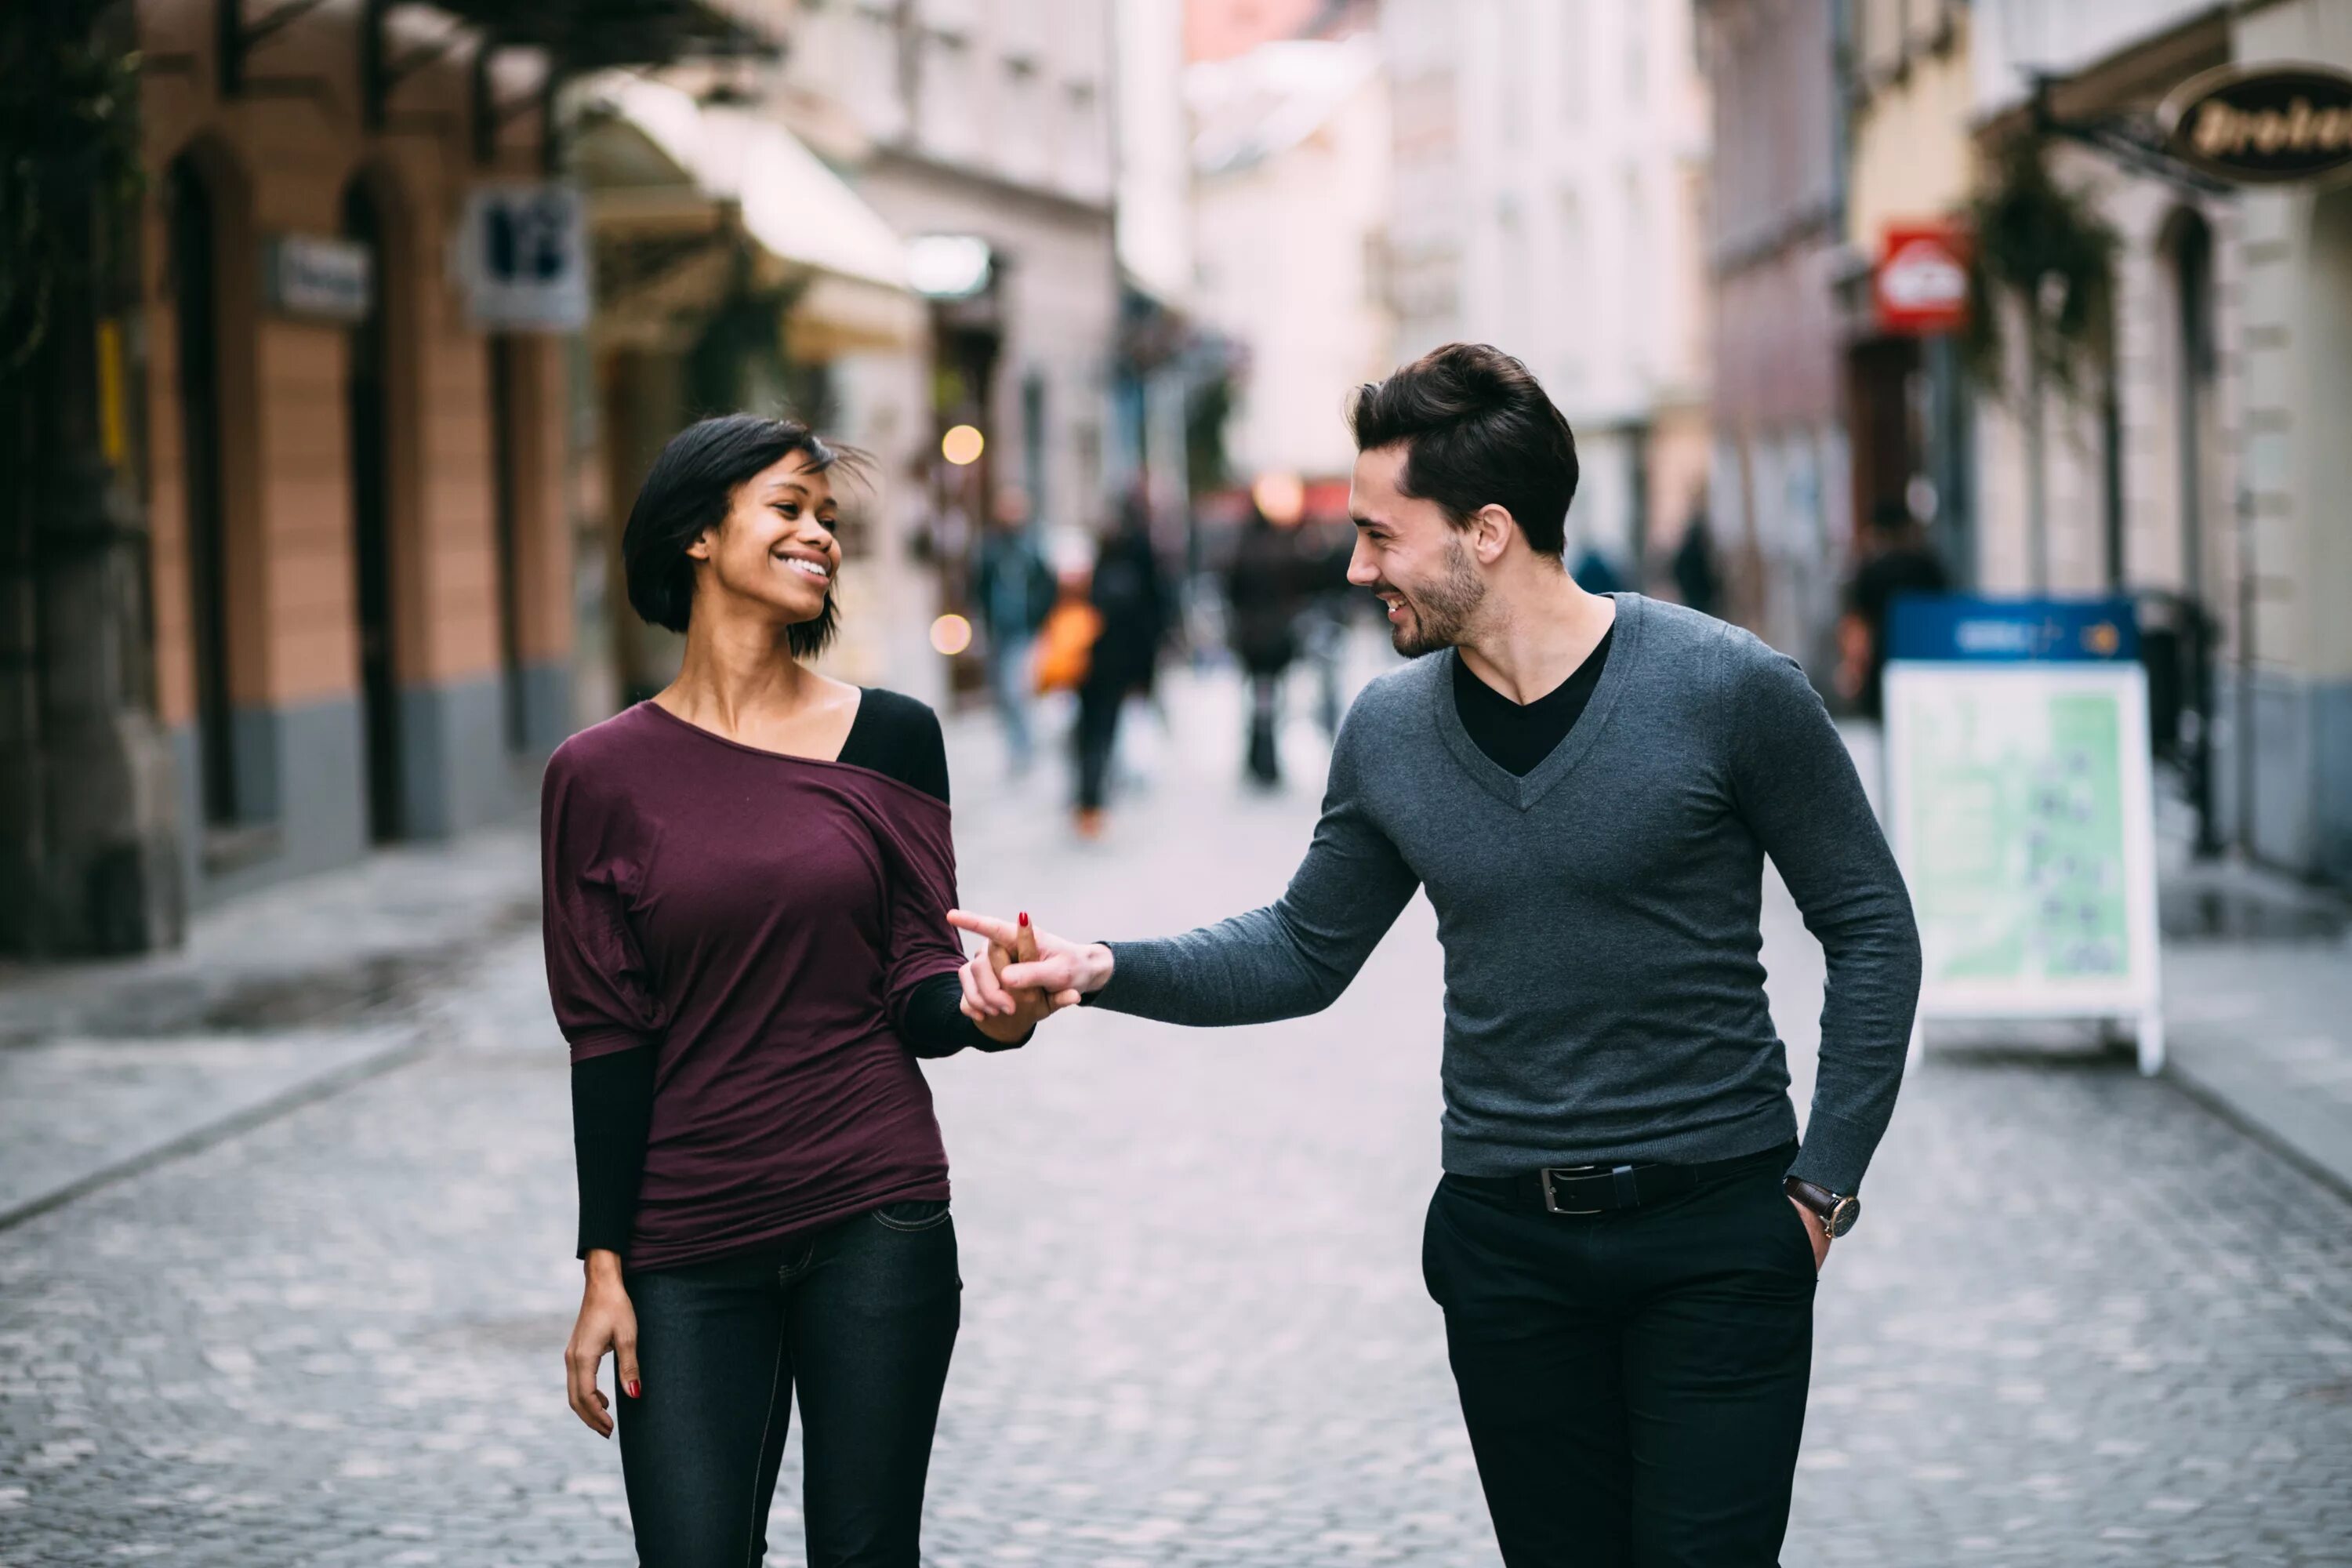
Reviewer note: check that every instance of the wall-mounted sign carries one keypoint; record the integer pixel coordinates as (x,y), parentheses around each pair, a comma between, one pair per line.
(522,257)
(317,277)
(2262,123)
(1921,281)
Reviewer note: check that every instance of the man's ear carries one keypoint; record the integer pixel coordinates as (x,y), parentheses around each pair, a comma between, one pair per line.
(1491,528)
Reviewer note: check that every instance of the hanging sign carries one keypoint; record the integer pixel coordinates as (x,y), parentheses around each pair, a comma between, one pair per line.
(522,257)
(1921,281)
(2021,809)
(317,277)
(2262,124)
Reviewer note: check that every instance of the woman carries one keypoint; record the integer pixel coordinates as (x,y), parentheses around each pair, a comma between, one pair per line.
(746,886)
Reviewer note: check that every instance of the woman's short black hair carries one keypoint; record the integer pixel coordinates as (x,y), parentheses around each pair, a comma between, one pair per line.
(689,489)
(1477,431)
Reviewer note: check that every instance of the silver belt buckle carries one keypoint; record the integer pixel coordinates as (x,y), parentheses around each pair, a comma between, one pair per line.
(1551,1200)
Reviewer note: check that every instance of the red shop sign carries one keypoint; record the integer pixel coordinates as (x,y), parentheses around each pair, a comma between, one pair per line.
(1921,281)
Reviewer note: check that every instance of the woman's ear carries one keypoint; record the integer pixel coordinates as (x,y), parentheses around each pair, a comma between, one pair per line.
(704,543)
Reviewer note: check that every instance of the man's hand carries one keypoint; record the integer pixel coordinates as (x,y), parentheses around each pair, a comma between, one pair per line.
(1024,970)
(1821,1238)
(1031,1008)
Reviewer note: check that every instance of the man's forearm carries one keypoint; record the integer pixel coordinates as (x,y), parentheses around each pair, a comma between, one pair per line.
(1251,969)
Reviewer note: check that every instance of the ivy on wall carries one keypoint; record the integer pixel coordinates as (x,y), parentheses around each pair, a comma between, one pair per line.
(2044,250)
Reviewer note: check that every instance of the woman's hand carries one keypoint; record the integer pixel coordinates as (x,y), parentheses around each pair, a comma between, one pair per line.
(607,1322)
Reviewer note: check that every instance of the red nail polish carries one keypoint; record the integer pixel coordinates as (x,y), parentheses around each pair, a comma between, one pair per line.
(633,1388)
(1025,917)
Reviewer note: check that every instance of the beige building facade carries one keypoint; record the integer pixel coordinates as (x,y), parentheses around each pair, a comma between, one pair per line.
(2223,478)
(362,565)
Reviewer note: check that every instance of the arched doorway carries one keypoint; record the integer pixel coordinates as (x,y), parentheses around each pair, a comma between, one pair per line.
(2326,528)
(193,244)
(506,361)
(2184,702)
(2189,252)
(369,409)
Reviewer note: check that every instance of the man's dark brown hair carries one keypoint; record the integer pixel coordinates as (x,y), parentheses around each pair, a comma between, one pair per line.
(1478,431)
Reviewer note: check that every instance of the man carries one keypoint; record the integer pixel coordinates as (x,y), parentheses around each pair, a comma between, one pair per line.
(1900,561)
(1626,1238)
(1012,590)
(1262,605)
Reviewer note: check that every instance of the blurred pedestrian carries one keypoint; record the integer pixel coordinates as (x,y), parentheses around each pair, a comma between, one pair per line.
(1261,601)
(1696,577)
(1324,548)
(747,949)
(1130,599)
(1896,559)
(1012,592)
(1595,572)
(1627,1241)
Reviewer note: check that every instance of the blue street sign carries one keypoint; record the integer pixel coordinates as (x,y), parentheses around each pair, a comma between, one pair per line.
(1949,628)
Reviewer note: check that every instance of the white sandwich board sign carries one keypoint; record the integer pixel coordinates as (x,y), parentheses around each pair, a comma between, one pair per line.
(2021,808)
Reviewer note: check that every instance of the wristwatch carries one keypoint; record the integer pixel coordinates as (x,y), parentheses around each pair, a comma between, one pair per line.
(1838,1210)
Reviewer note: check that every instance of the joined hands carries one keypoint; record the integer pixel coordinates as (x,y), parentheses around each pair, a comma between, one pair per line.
(1025,974)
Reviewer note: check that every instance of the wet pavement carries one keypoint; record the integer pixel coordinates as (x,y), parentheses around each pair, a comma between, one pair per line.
(2085,1319)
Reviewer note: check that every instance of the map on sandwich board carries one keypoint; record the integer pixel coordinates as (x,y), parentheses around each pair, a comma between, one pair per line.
(2020,804)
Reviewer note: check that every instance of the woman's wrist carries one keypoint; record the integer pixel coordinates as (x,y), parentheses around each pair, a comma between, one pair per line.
(603,1265)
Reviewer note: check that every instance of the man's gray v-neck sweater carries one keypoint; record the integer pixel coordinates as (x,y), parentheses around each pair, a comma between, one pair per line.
(1605,1000)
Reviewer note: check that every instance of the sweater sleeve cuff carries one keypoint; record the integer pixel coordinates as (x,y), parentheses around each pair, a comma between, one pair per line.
(1139,974)
(1835,1153)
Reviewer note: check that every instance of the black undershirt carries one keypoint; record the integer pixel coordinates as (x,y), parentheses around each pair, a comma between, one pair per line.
(1514,736)
(613,1095)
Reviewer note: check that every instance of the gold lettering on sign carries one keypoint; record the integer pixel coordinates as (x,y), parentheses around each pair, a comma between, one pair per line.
(2216,133)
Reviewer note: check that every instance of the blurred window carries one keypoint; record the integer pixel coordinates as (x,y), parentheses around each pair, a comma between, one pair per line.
(1575,59)
(1636,23)
(1575,305)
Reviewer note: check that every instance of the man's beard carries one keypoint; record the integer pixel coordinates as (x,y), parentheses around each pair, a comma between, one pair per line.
(1439,613)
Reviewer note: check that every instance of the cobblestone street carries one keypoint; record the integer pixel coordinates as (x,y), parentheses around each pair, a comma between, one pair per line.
(2085,1319)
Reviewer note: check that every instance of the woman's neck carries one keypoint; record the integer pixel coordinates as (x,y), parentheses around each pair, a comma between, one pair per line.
(740,677)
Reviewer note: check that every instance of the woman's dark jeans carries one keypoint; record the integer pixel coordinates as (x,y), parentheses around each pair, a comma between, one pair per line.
(861,1317)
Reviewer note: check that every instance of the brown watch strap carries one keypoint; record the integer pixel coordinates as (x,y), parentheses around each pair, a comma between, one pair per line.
(1819,1199)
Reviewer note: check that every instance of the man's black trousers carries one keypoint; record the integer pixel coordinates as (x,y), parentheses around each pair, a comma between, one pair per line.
(1633,1381)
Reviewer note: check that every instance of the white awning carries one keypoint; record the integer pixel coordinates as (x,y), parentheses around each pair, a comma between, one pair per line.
(787,199)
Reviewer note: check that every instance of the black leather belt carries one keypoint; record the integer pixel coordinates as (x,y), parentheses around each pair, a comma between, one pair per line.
(1599,1189)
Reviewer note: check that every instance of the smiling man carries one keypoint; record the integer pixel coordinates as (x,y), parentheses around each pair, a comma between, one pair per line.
(1627,1236)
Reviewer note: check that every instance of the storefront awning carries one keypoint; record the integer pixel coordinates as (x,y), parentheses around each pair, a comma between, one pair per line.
(592,34)
(663,171)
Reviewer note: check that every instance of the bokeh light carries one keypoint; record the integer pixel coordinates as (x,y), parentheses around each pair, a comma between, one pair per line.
(963,445)
(1281,496)
(951,634)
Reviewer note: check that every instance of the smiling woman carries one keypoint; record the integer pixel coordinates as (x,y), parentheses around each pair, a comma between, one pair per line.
(747,881)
